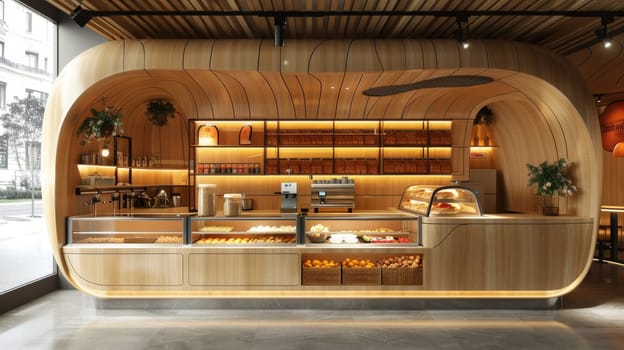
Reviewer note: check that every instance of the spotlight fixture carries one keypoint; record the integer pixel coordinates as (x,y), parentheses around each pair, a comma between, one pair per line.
(603,32)
(463,32)
(81,16)
(598,98)
(279,26)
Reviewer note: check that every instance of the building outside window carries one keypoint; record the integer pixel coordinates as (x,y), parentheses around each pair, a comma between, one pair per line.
(42,96)
(4,151)
(32,59)
(2,95)
(29,22)
(32,151)
(2,10)
(1,49)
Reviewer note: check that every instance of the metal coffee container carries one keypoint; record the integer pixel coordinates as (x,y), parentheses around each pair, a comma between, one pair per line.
(176,199)
(206,200)
(247,203)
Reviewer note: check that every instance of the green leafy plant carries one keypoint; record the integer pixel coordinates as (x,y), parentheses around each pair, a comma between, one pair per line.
(551,178)
(101,124)
(159,111)
(484,116)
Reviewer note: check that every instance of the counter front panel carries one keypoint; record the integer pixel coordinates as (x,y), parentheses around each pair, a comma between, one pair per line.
(259,256)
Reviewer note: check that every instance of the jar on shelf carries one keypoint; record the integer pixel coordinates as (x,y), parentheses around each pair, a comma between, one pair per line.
(232,204)
(206,200)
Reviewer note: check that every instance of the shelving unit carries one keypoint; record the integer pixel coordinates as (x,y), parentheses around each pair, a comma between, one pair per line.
(122,177)
(416,148)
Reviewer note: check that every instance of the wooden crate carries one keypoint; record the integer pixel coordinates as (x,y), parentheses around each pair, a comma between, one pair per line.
(361,276)
(402,276)
(317,276)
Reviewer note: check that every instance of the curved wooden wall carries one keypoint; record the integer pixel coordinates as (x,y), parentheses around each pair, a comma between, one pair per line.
(543,110)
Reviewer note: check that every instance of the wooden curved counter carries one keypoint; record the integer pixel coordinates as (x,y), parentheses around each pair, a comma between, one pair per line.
(545,113)
(511,256)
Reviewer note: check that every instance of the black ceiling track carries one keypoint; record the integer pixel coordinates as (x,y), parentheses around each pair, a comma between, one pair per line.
(356,13)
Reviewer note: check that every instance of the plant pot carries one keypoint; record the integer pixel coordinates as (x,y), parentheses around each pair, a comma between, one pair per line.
(107,130)
(550,211)
(550,205)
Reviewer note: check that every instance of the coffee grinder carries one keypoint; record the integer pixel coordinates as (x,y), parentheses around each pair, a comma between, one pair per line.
(288,193)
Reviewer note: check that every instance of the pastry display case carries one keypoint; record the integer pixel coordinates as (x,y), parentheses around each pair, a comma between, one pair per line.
(361,229)
(126,229)
(244,230)
(440,200)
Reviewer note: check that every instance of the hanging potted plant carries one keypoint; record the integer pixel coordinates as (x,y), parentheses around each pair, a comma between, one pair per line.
(159,111)
(101,124)
(551,181)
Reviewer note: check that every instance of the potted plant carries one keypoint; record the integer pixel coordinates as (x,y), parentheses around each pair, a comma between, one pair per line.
(159,111)
(101,124)
(551,181)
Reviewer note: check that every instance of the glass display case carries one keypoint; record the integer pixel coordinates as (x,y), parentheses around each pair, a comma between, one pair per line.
(361,229)
(244,230)
(440,200)
(125,229)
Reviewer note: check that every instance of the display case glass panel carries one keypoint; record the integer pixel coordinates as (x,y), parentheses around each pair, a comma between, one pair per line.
(244,230)
(440,200)
(125,229)
(361,229)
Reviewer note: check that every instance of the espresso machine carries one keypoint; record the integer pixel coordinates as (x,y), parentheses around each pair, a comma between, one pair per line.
(288,192)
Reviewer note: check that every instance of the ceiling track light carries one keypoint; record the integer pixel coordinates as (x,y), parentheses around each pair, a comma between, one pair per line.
(81,16)
(279,27)
(463,31)
(603,32)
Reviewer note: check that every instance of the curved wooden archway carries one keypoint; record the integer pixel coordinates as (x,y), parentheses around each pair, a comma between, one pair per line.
(543,109)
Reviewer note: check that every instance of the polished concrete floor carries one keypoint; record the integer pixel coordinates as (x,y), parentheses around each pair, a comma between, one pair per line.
(591,317)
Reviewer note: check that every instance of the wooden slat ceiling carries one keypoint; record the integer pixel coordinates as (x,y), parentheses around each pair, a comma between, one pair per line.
(561,34)
(570,36)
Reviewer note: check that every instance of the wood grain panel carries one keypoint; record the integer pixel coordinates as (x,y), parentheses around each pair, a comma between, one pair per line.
(244,269)
(559,33)
(295,57)
(198,54)
(235,55)
(159,54)
(127,269)
(513,254)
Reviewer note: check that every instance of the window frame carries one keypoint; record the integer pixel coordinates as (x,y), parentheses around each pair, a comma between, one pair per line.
(32,59)
(29,22)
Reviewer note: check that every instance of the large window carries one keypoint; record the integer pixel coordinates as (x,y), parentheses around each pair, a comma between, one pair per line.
(2,10)
(25,252)
(1,49)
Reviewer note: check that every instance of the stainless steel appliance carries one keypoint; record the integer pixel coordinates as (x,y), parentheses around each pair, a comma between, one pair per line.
(333,193)
(288,192)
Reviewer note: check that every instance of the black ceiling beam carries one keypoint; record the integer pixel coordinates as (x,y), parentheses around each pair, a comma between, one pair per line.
(357,13)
